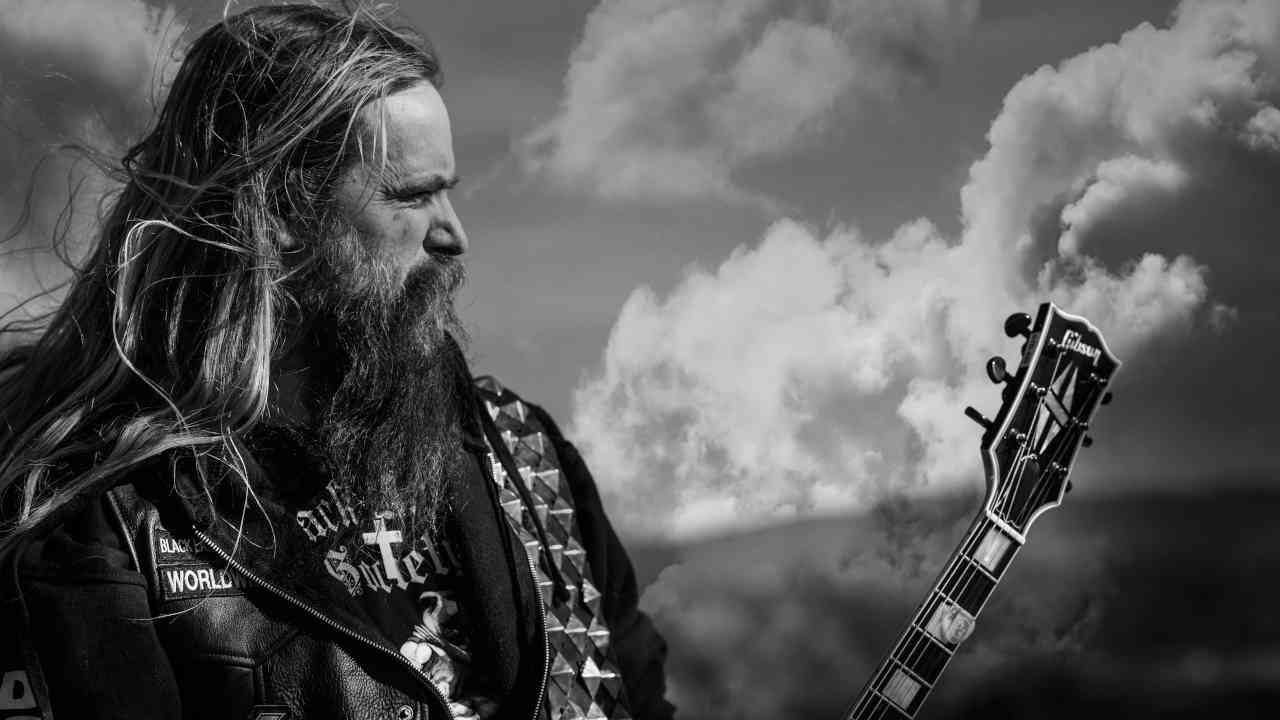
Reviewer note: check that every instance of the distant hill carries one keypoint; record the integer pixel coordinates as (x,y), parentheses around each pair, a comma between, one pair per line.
(1160,605)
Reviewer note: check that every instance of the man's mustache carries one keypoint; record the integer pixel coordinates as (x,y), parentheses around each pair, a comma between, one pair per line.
(445,272)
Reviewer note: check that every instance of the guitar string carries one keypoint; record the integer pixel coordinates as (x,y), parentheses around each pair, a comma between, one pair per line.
(955,569)
(951,573)
(1066,446)
(1003,498)
(1022,455)
(1068,438)
(1066,441)
(958,575)
(912,644)
(915,644)
(955,586)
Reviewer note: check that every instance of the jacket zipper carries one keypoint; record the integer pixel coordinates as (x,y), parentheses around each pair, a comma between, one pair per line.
(546,640)
(331,623)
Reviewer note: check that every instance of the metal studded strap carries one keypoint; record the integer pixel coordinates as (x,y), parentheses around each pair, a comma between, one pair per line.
(584,681)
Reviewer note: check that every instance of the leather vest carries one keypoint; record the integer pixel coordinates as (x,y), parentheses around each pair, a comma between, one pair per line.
(244,645)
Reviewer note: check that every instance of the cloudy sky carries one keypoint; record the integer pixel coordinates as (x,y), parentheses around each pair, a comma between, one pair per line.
(754,254)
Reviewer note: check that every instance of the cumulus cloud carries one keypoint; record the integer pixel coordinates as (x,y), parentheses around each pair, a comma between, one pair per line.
(83,72)
(1262,132)
(666,100)
(1116,181)
(119,45)
(817,371)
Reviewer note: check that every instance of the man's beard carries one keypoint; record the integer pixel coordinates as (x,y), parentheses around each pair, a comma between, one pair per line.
(389,382)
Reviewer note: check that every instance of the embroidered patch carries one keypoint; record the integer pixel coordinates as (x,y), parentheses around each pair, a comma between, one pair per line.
(182,573)
(16,695)
(170,549)
(179,582)
(269,712)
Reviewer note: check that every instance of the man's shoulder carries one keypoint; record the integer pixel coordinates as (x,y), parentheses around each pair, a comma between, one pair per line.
(97,533)
(91,542)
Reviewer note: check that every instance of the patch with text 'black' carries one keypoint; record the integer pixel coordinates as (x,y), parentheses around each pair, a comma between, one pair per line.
(183,572)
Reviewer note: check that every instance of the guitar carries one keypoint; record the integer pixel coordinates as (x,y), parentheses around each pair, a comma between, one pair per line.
(1027,451)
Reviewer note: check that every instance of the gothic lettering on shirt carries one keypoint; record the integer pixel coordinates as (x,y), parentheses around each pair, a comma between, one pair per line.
(378,560)
(335,561)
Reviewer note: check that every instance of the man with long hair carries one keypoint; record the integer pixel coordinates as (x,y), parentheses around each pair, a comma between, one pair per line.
(244,470)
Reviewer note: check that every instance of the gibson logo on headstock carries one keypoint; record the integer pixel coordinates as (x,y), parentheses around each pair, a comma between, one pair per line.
(1071,341)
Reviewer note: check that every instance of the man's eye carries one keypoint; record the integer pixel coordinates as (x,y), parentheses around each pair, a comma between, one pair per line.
(415,199)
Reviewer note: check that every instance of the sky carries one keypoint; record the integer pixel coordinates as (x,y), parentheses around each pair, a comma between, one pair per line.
(754,254)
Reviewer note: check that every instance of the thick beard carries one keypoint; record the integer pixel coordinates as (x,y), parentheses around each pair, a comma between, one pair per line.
(389,382)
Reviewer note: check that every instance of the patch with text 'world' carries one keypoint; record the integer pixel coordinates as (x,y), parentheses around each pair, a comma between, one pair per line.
(182,572)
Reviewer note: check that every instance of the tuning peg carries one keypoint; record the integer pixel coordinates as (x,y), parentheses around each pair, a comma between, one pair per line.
(1106,398)
(1018,324)
(976,416)
(1087,441)
(1068,488)
(998,371)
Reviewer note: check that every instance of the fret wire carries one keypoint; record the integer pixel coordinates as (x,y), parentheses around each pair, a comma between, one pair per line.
(885,704)
(951,573)
(955,574)
(917,654)
(888,705)
(1013,551)
(880,695)
(982,568)
(954,588)
(922,630)
(933,640)
(925,684)
(985,587)
(859,706)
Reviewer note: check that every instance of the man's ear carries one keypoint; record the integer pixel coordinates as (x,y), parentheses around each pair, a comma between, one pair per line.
(291,248)
(286,238)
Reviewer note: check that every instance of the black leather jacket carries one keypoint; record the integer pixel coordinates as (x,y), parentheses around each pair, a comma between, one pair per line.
(91,625)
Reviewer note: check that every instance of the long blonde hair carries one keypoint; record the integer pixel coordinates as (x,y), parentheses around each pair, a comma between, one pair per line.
(165,339)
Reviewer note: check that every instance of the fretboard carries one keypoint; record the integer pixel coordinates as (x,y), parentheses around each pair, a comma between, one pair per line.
(899,686)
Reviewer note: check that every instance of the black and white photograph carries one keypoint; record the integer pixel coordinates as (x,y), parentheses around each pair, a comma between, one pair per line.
(639,359)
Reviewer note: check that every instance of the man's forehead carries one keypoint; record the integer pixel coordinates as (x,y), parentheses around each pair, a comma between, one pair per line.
(406,136)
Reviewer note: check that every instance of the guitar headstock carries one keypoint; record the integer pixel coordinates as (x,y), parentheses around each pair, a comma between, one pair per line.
(1048,404)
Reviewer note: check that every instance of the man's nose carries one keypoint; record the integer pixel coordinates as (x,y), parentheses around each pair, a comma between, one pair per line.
(446,236)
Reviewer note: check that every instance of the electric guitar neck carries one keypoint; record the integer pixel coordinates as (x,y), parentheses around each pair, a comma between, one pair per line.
(1027,451)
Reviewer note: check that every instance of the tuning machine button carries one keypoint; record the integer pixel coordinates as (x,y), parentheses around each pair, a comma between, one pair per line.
(1106,399)
(977,417)
(998,370)
(1087,441)
(1018,324)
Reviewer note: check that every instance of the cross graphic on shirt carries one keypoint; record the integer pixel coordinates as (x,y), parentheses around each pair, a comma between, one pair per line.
(383,538)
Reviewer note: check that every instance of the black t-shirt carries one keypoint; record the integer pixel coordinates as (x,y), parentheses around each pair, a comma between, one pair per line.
(418,593)
(411,589)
